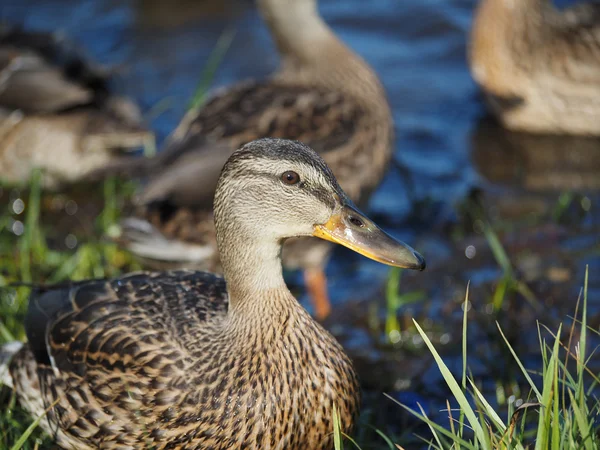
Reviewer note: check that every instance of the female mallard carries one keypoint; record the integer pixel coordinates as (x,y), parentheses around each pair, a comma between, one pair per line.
(323,95)
(56,112)
(182,360)
(539,66)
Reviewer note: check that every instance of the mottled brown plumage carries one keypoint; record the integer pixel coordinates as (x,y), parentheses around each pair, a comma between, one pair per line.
(539,67)
(323,95)
(56,112)
(180,360)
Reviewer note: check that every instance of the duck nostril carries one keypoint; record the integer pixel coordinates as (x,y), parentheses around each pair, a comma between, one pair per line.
(356,221)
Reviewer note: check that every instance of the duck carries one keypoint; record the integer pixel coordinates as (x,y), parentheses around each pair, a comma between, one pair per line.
(323,94)
(538,66)
(189,359)
(56,111)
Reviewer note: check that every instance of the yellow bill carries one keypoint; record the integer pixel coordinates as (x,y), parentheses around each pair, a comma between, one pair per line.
(354,230)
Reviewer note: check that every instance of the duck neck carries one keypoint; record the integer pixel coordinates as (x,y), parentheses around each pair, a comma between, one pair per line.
(516,17)
(253,272)
(505,34)
(311,53)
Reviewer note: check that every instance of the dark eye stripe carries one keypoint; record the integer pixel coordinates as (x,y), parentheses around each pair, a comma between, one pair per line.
(323,195)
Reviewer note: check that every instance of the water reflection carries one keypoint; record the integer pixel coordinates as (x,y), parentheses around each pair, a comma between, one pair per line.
(546,163)
(180,13)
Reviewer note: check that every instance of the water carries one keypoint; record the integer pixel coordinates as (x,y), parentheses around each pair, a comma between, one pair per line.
(449,162)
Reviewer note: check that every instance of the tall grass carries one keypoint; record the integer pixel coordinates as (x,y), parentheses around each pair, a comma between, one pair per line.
(28,258)
(561,412)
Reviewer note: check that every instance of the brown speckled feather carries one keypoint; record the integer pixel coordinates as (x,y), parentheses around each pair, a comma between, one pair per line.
(141,361)
(319,117)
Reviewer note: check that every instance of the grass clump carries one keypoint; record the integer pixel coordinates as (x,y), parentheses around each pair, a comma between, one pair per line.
(561,412)
(34,257)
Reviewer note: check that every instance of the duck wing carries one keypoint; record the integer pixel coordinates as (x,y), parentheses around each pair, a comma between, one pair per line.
(29,83)
(185,173)
(173,220)
(319,117)
(99,327)
(111,361)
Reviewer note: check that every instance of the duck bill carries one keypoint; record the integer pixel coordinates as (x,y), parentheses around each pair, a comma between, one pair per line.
(354,230)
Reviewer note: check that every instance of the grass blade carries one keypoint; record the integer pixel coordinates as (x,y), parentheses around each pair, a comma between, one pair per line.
(582,423)
(548,393)
(498,251)
(462,443)
(456,390)
(518,361)
(214,61)
(337,430)
(32,219)
(488,408)
(582,342)
(31,428)
(433,432)
(461,416)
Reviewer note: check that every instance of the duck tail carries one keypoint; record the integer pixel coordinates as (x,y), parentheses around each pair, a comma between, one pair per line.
(145,241)
(7,351)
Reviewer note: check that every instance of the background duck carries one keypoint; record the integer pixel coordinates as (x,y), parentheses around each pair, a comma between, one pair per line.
(539,67)
(178,359)
(323,95)
(56,112)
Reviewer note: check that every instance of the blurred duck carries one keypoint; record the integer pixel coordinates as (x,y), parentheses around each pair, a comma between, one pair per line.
(181,359)
(56,113)
(324,95)
(539,67)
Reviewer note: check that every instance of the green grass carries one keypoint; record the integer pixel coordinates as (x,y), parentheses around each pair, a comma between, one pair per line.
(32,258)
(394,301)
(560,414)
(508,282)
(210,69)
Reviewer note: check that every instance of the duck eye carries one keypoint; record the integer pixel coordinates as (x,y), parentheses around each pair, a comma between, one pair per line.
(290,177)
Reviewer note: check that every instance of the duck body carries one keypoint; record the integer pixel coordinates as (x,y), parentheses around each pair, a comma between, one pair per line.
(142,361)
(539,67)
(186,360)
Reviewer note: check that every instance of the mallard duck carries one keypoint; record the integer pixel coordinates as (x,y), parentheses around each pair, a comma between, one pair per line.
(324,95)
(191,360)
(539,66)
(56,112)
